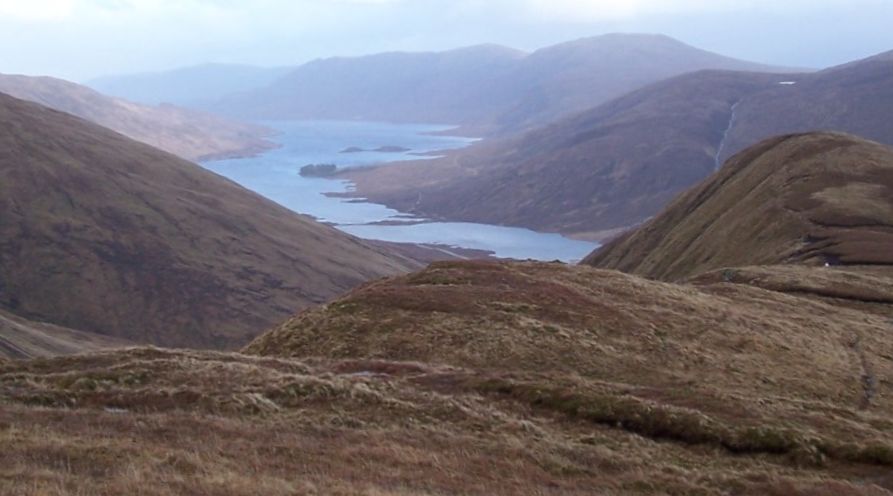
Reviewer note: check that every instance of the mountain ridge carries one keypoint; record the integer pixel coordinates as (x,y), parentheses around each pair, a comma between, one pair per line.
(486,89)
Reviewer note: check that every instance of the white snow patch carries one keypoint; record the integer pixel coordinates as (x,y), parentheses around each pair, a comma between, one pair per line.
(787,83)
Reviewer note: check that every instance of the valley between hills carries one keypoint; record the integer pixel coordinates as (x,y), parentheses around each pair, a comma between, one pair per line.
(164,330)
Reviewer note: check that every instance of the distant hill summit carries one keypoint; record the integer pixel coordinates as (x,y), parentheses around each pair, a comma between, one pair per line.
(488,89)
(815,199)
(106,235)
(189,134)
(568,78)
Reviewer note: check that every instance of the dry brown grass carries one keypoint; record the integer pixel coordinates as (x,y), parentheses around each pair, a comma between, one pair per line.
(149,421)
(864,288)
(734,368)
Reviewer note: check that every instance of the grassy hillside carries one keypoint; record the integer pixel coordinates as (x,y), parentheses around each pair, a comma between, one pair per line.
(503,378)
(187,133)
(21,338)
(814,198)
(170,422)
(106,235)
(681,364)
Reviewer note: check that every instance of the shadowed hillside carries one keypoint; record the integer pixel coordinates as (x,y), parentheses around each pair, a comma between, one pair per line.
(103,234)
(186,133)
(806,199)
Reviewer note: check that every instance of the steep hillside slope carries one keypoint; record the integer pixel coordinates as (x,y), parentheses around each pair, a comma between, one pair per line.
(604,169)
(487,89)
(186,133)
(188,85)
(106,235)
(21,338)
(809,199)
(856,98)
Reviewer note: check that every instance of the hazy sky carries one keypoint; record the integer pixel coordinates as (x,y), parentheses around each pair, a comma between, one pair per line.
(80,39)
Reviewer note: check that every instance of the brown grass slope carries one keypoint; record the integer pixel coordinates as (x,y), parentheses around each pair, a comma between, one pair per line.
(103,234)
(21,338)
(722,365)
(187,133)
(812,199)
(604,169)
(170,422)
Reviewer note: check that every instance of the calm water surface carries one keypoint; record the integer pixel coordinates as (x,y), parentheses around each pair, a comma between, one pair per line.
(275,175)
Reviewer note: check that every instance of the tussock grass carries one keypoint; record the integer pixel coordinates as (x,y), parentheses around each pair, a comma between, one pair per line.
(151,421)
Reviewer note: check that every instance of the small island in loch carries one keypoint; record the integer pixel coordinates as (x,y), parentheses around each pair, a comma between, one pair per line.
(319,170)
(392,149)
(381,149)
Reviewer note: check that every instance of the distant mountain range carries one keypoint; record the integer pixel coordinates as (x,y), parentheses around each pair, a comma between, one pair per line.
(106,235)
(488,89)
(190,134)
(188,86)
(618,164)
